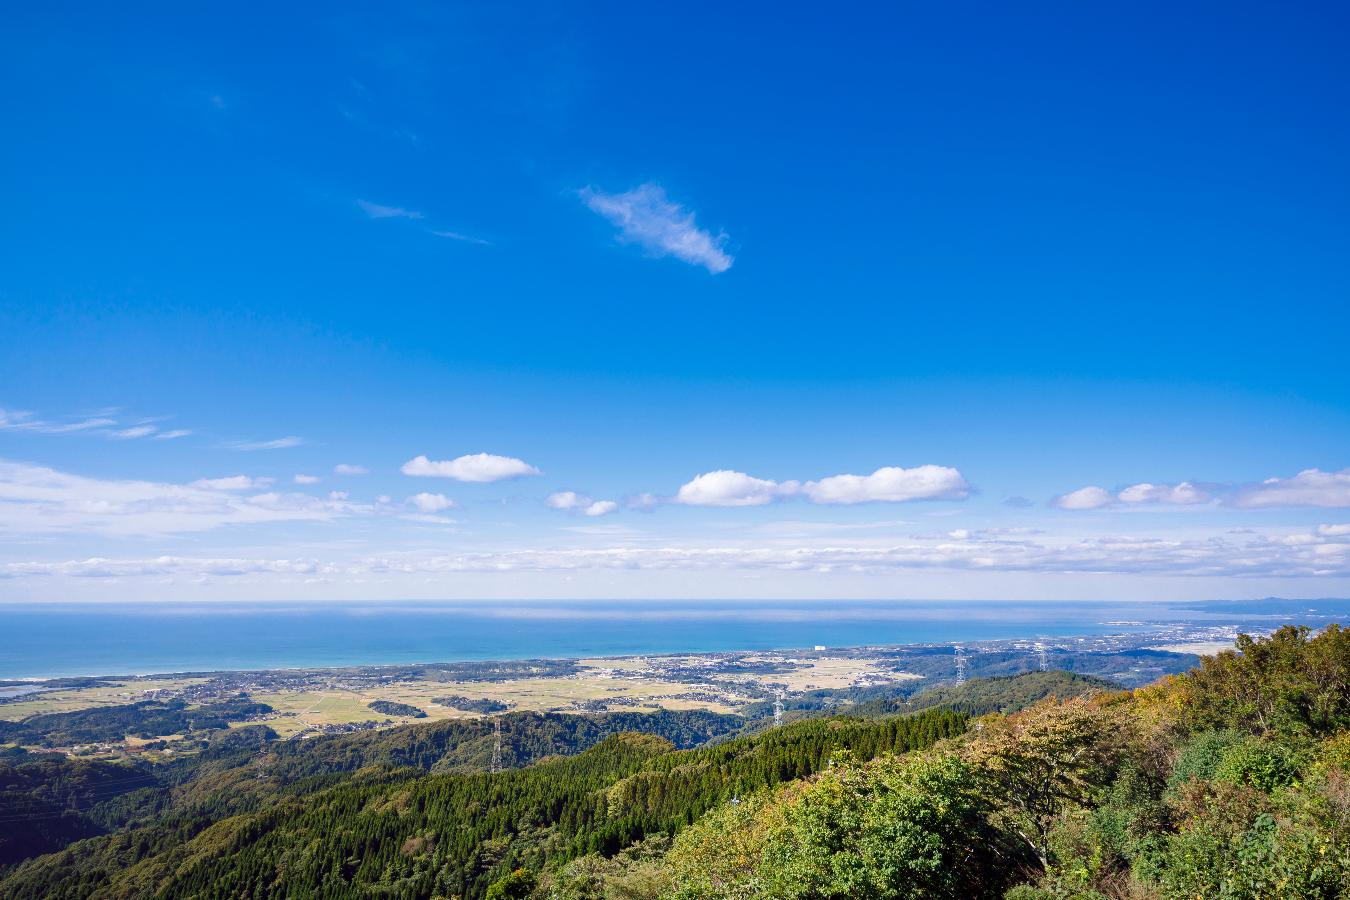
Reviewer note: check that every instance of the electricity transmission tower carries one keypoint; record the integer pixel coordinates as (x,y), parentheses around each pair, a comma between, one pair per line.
(778,710)
(960,664)
(496,746)
(1045,660)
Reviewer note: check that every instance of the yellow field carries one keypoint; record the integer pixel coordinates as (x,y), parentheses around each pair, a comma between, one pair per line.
(628,683)
(1199,648)
(128,691)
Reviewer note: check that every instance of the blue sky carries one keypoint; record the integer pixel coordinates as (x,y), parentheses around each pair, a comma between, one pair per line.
(1067,289)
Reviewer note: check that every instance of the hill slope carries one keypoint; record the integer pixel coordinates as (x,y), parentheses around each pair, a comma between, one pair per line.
(1232,780)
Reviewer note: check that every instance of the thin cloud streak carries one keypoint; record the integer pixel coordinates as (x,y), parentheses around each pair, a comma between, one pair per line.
(282,443)
(21,420)
(379,211)
(456,236)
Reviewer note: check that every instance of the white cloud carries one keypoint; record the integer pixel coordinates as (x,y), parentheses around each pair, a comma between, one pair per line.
(376,211)
(1311,487)
(138,431)
(431,503)
(348,469)
(306,479)
(172,435)
(1183,494)
(890,484)
(282,443)
(580,503)
(646,217)
(644,502)
(337,495)
(727,488)
(476,467)
(566,500)
(233,483)
(39,500)
(1091,497)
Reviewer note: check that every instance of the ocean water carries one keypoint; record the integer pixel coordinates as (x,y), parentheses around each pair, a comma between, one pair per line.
(99,639)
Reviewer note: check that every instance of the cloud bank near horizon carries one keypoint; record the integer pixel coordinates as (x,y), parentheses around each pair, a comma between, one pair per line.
(1309,488)
(1320,552)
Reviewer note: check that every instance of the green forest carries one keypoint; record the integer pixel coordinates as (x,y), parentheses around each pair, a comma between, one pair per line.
(1231,780)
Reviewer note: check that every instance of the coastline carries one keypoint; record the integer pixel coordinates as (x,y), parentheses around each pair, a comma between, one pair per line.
(101,642)
(1181,640)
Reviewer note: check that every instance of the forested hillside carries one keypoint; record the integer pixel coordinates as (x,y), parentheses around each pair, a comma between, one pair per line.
(400,830)
(1230,781)
(1004,694)
(47,801)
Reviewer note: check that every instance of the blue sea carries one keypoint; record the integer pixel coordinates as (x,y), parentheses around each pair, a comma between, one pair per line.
(98,639)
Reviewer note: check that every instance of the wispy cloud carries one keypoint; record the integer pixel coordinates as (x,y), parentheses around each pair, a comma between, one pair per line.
(378,211)
(233,483)
(282,443)
(1311,487)
(21,420)
(102,423)
(306,479)
(477,467)
(349,469)
(646,217)
(456,236)
(38,499)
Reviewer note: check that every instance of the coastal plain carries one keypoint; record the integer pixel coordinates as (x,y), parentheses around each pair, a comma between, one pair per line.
(156,716)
